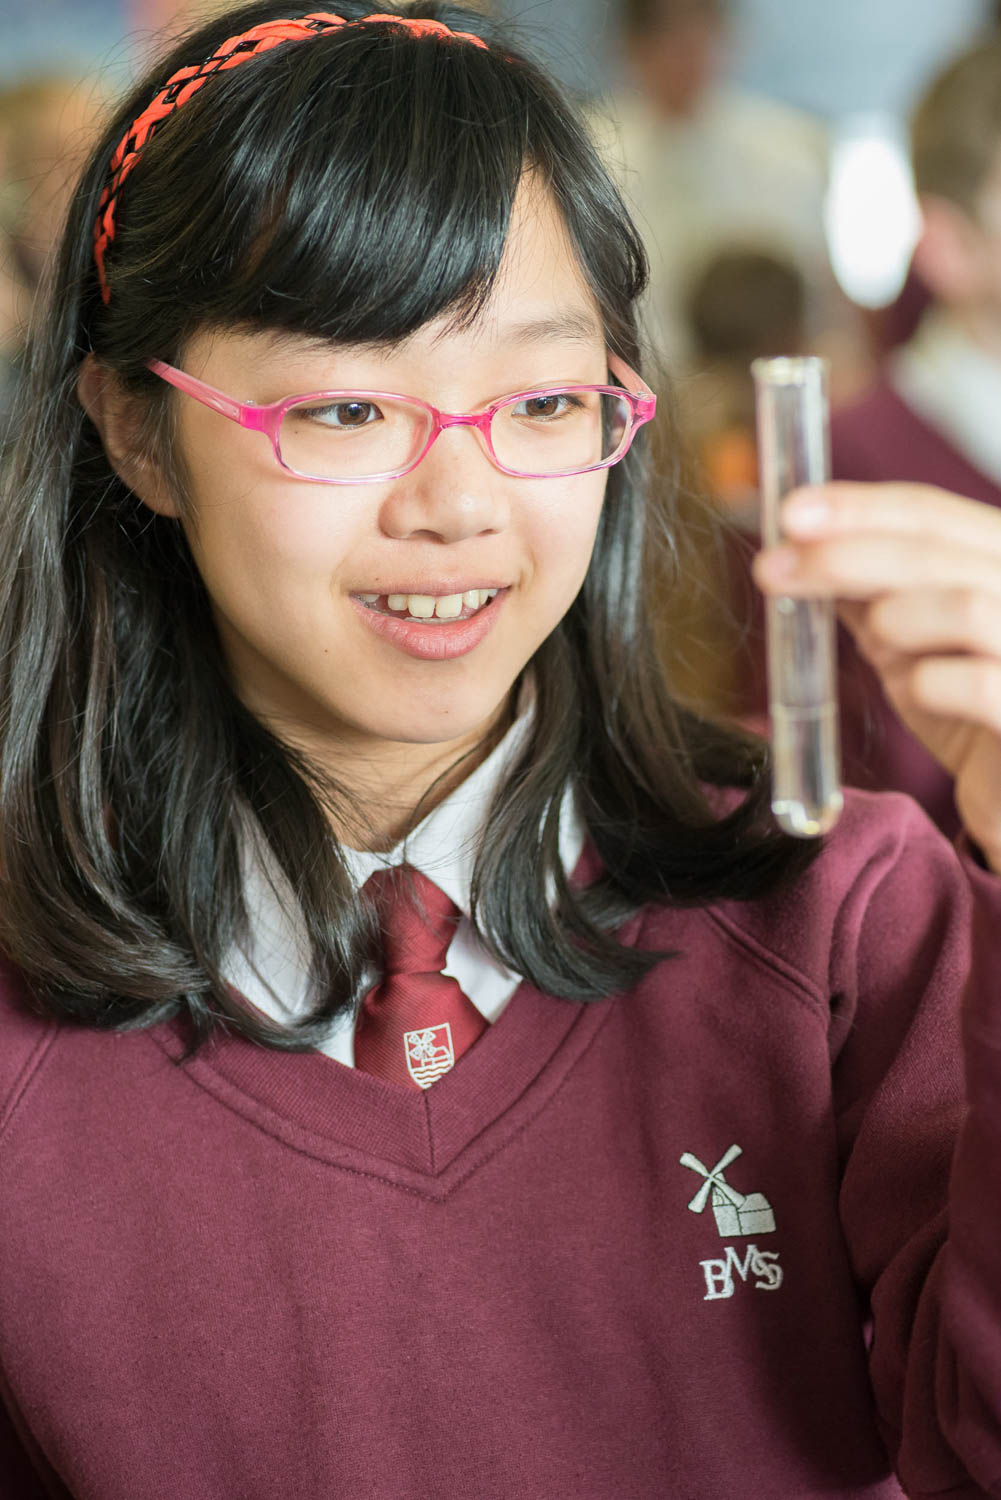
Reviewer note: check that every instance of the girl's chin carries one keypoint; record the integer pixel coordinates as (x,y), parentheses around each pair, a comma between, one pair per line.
(463,724)
(462,714)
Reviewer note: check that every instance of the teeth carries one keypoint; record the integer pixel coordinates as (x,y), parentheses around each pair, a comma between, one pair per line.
(369,598)
(427,606)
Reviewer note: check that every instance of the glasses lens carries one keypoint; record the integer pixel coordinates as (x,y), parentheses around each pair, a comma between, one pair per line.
(560,432)
(352,435)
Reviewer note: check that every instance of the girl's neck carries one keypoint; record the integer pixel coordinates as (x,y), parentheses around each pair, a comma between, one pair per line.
(394,788)
(402,806)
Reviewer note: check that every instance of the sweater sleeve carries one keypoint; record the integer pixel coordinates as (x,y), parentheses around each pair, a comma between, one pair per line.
(921,1174)
(970,1354)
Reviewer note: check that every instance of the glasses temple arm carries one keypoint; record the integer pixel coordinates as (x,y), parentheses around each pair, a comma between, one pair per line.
(635,386)
(227,406)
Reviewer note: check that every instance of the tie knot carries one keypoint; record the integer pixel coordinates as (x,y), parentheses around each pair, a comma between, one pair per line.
(418,920)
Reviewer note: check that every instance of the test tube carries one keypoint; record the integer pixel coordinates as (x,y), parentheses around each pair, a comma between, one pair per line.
(794,449)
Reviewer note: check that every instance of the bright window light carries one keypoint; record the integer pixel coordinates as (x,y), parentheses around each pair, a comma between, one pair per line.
(871,214)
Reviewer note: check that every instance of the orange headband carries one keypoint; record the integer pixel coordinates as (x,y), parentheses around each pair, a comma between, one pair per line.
(182,84)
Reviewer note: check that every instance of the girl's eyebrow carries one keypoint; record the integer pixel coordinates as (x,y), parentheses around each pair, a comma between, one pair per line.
(568,327)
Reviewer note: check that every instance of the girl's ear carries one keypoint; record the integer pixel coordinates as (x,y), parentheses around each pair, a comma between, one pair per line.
(118,418)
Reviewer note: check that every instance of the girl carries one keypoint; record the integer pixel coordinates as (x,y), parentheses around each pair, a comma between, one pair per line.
(425,1070)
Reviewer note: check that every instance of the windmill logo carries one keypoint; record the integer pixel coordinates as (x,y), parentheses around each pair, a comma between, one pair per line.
(735,1213)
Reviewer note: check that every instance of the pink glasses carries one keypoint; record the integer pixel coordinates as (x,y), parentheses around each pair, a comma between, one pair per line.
(359,437)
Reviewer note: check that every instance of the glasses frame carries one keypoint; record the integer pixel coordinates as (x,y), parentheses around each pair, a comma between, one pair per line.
(268,419)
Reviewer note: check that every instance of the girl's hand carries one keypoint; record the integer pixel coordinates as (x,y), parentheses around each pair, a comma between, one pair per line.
(917,575)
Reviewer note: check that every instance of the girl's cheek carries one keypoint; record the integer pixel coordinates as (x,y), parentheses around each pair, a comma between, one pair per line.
(245,506)
(567,507)
(272,535)
(568,534)
(314,535)
(560,544)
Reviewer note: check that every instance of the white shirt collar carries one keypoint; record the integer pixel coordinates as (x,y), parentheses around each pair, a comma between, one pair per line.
(955,386)
(273,970)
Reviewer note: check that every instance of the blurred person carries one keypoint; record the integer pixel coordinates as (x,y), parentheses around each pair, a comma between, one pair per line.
(47,124)
(705,164)
(932,417)
(743,304)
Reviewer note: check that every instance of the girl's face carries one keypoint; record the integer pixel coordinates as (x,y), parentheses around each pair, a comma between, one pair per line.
(288,563)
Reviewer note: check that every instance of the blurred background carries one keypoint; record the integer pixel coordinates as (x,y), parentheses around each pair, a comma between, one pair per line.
(760,127)
(808,177)
(857,55)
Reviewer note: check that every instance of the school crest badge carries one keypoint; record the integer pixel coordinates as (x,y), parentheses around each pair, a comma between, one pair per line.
(429,1053)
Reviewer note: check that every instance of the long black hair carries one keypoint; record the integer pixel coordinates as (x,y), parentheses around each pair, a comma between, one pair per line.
(352,187)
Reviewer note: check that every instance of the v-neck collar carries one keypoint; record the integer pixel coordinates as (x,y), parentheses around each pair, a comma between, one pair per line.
(425,1141)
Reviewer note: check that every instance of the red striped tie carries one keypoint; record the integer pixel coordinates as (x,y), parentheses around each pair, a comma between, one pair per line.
(415,1024)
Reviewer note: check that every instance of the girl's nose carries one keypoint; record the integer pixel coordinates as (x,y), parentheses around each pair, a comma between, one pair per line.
(454,494)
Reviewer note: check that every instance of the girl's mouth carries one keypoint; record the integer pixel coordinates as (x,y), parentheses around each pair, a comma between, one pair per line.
(424,609)
(433,627)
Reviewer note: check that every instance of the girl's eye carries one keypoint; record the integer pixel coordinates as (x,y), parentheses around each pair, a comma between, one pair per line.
(546,408)
(344,415)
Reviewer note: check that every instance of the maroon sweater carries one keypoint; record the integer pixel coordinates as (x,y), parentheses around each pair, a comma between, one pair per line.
(878,438)
(263,1276)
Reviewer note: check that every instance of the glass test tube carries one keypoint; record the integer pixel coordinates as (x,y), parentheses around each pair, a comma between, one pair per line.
(794,449)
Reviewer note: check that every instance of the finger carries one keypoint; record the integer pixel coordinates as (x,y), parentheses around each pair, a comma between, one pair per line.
(860,567)
(917,510)
(961,687)
(919,623)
